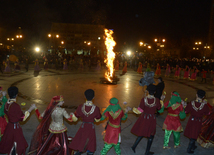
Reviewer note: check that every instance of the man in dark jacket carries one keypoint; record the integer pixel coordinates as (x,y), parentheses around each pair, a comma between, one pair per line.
(159,90)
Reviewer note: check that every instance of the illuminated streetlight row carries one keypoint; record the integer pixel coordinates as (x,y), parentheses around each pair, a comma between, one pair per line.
(156,40)
(49,35)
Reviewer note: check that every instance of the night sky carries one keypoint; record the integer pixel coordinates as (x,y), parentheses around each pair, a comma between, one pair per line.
(132,20)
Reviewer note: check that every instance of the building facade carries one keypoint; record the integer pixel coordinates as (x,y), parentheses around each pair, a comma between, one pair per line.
(77,38)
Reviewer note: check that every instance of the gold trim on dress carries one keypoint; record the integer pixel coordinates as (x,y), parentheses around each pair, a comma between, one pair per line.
(57,131)
(113,125)
(175,106)
(116,114)
(175,115)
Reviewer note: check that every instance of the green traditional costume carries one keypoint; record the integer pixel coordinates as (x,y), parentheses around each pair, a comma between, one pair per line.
(172,121)
(3,120)
(112,136)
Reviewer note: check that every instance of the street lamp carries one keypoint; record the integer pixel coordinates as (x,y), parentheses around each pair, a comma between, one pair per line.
(62,42)
(18,36)
(54,40)
(141,43)
(128,53)
(160,45)
(37,49)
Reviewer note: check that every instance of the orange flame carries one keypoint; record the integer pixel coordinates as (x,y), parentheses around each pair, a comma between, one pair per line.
(110,43)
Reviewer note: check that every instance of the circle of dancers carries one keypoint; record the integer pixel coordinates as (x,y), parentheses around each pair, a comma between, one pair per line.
(50,136)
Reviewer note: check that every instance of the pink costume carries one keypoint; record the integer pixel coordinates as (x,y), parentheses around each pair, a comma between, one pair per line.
(167,73)
(194,73)
(186,72)
(177,71)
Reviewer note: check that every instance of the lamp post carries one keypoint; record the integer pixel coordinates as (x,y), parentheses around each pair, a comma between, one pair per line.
(160,44)
(53,38)
(198,48)
(10,43)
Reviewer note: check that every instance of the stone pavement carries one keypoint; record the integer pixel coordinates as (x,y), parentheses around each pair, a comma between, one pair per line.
(72,84)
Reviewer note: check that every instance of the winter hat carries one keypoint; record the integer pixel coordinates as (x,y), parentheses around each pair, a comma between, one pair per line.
(12,92)
(89,94)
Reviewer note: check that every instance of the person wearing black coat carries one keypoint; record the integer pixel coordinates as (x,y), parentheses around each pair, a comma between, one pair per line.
(159,90)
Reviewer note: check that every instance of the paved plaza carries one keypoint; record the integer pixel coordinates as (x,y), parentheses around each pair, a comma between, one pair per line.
(72,84)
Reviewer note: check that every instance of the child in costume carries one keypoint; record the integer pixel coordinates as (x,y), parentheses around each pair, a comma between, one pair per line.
(177,71)
(158,70)
(167,73)
(36,67)
(172,122)
(7,66)
(204,75)
(3,120)
(13,139)
(140,67)
(186,72)
(50,136)
(148,69)
(112,136)
(85,138)
(124,68)
(145,126)
(194,73)
(197,110)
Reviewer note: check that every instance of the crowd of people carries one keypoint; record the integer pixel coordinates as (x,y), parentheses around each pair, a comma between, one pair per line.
(179,68)
(50,137)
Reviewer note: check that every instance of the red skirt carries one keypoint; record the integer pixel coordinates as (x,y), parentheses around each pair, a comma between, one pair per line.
(3,124)
(112,135)
(56,143)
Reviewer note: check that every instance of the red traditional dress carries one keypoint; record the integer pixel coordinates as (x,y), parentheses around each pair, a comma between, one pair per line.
(177,71)
(172,121)
(125,68)
(146,123)
(13,132)
(158,70)
(197,110)
(204,74)
(113,125)
(140,67)
(167,73)
(85,138)
(50,136)
(194,74)
(186,72)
